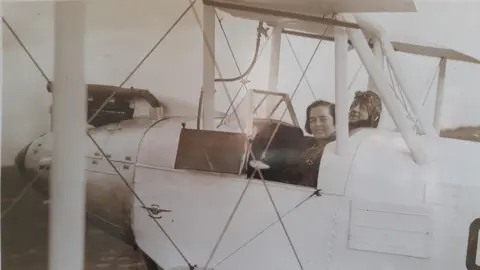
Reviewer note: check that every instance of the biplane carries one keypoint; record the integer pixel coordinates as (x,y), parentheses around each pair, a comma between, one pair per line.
(175,183)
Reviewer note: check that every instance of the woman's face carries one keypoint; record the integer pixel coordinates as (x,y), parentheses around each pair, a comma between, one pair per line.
(321,122)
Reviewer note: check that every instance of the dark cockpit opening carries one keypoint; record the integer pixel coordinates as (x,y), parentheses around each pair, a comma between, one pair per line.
(288,156)
(283,152)
(228,152)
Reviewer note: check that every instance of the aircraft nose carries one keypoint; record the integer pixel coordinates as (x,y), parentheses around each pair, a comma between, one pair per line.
(20,159)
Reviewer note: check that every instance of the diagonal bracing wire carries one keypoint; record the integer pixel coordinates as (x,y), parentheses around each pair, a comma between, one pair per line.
(431,84)
(413,118)
(253,156)
(21,194)
(241,128)
(103,105)
(227,115)
(355,76)
(266,187)
(296,89)
(128,76)
(300,66)
(25,49)
(139,200)
(242,85)
(143,60)
(316,192)
(97,145)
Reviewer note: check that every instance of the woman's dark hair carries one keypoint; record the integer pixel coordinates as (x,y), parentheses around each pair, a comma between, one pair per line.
(318,103)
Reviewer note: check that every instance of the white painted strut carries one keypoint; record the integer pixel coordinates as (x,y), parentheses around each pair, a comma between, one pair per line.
(385,92)
(208,67)
(402,80)
(67,186)
(273,69)
(440,94)
(341,97)
(380,58)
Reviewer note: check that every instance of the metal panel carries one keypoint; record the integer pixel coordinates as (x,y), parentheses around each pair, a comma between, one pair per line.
(159,146)
(108,196)
(124,139)
(390,228)
(213,151)
(442,194)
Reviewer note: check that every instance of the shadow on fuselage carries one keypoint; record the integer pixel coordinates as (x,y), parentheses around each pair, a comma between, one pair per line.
(284,146)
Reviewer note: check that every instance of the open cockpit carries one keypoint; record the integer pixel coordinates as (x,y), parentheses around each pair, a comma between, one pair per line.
(287,154)
(181,173)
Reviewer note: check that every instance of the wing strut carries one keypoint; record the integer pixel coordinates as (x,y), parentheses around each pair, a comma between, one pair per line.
(440,93)
(68,175)
(211,53)
(143,205)
(143,60)
(58,260)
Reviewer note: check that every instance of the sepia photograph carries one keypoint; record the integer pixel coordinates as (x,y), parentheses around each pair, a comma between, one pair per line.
(240,134)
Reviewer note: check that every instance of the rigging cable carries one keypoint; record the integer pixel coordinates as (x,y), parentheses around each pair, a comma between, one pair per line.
(355,76)
(304,72)
(316,192)
(142,61)
(227,115)
(266,148)
(296,89)
(25,49)
(403,102)
(102,106)
(238,69)
(300,66)
(228,41)
(251,153)
(21,193)
(271,199)
(260,30)
(212,55)
(395,87)
(349,86)
(242,85)
(224,230)
(431,84)
(304,75)
(139,200)
(103,153)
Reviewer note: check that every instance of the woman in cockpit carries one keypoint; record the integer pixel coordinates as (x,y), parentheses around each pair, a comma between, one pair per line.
(300,165)
(320,122)
(365,111)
